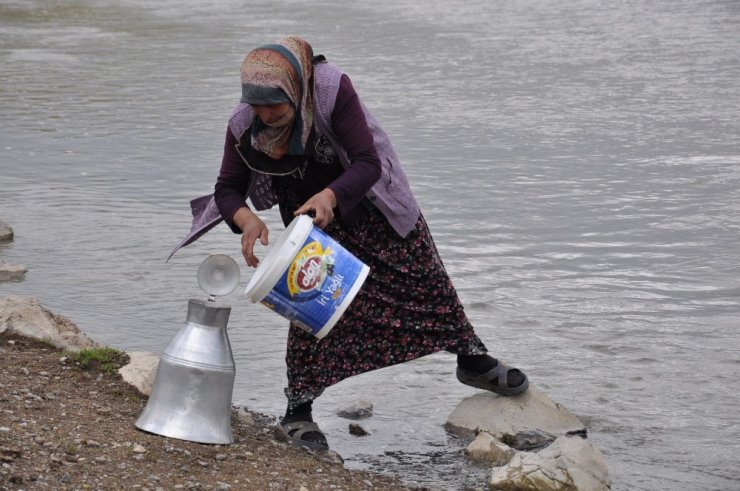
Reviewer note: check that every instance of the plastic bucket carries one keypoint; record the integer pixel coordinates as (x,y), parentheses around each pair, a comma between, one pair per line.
(307,277)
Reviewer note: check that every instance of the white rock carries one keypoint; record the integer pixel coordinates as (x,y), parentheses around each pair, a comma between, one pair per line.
(499,415)
(27,317)
(244,416)
(486,448)
(356,409)
(11,272)
(140,371)
(6,232)
(568,464)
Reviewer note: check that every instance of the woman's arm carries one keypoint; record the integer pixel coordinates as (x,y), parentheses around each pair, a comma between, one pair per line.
(232,183)
(353,134)
(231,188)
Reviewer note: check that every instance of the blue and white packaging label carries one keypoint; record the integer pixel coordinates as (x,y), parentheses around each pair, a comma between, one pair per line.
(315,283)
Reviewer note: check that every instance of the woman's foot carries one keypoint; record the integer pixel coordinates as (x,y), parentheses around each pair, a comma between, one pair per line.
(298,427)
(487,373)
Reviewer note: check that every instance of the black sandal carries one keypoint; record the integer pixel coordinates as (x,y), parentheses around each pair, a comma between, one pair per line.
(485,380)
(294,432)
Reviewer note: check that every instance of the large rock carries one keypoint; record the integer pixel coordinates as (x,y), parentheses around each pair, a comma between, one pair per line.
(27,317)
(501,416)
(6,233)
(554,453)
(11,272)
(570,463)
(140,371)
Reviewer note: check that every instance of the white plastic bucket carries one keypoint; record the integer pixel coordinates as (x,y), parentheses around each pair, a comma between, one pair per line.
(307,277)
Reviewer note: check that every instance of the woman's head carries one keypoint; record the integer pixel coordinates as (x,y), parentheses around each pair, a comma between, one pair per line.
(276,82)
(275,115)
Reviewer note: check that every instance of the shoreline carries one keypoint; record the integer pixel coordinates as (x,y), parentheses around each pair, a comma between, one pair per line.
(66,427)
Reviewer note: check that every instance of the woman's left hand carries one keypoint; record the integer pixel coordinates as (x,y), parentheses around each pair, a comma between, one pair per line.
(322,204)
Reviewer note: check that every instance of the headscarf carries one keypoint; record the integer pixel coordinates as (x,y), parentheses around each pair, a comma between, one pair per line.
(274,74)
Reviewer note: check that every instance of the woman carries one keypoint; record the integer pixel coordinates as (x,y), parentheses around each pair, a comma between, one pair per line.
(301,138)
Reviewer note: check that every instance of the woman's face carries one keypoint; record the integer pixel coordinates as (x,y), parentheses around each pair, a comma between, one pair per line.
(273,114)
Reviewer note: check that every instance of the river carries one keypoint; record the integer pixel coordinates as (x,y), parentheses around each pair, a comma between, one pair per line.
(578,164)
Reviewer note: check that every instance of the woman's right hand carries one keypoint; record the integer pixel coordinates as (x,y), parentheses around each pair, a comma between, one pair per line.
(252,229)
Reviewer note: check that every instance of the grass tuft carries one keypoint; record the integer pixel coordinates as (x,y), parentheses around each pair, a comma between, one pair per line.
(104,359)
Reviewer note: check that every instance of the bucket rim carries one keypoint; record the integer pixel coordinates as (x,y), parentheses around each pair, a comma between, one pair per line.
(273,265)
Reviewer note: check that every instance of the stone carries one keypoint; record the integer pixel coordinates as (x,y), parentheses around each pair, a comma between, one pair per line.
(570,463)
(330,457)
(529,440)
(9,454)
(357,430)
(6,232)
(140,371)
(357,409)
(244,416)
(27,317)
(12,272)
(499,415)
(486,448)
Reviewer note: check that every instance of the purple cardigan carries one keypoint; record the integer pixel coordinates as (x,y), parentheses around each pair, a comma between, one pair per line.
(391,193)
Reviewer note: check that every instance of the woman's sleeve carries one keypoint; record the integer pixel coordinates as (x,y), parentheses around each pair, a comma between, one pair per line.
(232,182)
(354,135)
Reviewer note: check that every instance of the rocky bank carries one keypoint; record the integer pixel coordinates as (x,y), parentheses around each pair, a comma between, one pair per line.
(68,427)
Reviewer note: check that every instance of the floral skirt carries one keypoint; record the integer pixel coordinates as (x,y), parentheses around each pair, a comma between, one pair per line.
(407,308)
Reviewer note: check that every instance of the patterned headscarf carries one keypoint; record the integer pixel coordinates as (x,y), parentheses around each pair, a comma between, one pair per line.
(274,74)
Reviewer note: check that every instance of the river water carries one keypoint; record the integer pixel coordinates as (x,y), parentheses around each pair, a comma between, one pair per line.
(578,163)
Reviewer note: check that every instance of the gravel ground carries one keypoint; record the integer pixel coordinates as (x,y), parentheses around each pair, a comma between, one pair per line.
(63,427)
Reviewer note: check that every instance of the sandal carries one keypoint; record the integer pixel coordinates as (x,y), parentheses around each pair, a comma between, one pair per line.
(294,432)
(485,380)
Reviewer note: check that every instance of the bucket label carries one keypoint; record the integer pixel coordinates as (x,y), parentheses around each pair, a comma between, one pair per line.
(321,280)
(308,271)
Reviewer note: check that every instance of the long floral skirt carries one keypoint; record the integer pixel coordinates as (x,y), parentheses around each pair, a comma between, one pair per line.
(407,308)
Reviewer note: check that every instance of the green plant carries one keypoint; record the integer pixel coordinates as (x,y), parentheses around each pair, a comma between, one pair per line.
(105,359)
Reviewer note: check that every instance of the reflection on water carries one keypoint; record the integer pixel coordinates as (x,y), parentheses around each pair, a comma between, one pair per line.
(578,165)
